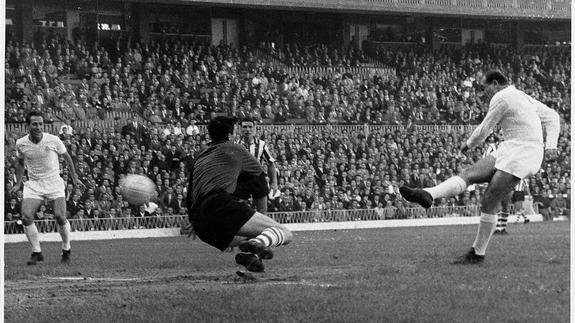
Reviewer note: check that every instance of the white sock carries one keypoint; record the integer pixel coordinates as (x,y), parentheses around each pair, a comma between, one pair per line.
(271,237)
(487,224)
(452,186)
(65,234)
(32,234)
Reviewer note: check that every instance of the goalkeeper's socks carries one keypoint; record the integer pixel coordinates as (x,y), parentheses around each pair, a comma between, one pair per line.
(502,221)
(270,237)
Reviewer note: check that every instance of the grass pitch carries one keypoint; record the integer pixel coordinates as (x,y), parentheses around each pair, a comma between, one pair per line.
(376,275)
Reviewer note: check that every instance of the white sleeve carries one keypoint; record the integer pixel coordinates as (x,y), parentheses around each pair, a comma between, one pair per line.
(497,107)
(60,147)
(551,124)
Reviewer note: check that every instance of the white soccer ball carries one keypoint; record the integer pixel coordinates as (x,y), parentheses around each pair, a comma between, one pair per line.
(137,189)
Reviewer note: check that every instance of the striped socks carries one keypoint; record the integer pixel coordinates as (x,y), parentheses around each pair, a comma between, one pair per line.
(270,237)
(501,221)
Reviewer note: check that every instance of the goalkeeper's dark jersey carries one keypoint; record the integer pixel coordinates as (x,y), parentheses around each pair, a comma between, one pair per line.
(217,168)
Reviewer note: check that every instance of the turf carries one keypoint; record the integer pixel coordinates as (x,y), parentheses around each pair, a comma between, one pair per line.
(376,275)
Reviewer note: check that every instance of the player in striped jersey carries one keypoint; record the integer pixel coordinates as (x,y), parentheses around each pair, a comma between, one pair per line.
(217,216)
(256,187)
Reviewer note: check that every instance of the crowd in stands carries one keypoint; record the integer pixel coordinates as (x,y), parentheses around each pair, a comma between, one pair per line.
(317,55)
(171,87)
(318,169)
(177,81)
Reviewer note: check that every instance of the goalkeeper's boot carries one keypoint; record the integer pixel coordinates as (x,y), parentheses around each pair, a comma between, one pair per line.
(66,256)
(416,195)
(470,258)
(250,261)
(257,248)
(34,258)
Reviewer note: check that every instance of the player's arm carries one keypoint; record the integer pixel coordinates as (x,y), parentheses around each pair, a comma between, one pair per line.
(497,107)
(19,174)
(272,174)
(72,169)
(551,125)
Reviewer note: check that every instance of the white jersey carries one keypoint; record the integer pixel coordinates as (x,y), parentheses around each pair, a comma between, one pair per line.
(521,118)
(41,159)
(522,121)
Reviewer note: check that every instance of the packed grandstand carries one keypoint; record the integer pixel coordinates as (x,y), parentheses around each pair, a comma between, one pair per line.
(346,133)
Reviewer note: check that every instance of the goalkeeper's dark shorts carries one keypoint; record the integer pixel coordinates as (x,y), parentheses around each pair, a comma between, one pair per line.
(252,186)
(218,218)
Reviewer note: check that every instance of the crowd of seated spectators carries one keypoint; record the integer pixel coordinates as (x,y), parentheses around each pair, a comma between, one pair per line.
(175,85)
(317,54)
(318,169)
(169,81)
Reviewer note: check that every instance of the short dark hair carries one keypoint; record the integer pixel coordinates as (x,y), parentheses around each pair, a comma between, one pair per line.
(33,114)
(221,127)
(496,76)
(248,119)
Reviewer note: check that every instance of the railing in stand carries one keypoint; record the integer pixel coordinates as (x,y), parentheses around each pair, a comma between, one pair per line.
(177,221)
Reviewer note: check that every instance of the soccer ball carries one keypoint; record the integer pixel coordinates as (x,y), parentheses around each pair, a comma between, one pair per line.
(137,189)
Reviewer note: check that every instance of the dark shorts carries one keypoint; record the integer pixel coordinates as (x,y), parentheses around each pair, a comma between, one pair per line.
(219,218)
(518,196)
(252,186)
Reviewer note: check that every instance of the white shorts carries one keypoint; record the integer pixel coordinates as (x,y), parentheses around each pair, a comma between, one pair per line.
(51,188)
(521,159)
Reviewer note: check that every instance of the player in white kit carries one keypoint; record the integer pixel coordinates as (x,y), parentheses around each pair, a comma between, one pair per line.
(38,152)
(522,120)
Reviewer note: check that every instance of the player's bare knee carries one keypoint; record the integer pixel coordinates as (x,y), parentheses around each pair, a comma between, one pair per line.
(27,220)
(60,219)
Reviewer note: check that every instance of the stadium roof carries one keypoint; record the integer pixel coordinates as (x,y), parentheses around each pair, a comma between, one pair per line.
(513,9)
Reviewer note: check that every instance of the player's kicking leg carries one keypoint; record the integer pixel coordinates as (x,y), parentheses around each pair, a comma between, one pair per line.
(64,227)
(498,189)
(29,207)
(261,233)
(480,172)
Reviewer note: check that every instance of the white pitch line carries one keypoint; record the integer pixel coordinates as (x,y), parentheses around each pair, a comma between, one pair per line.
(96,279)
(304,283)
(103,279)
